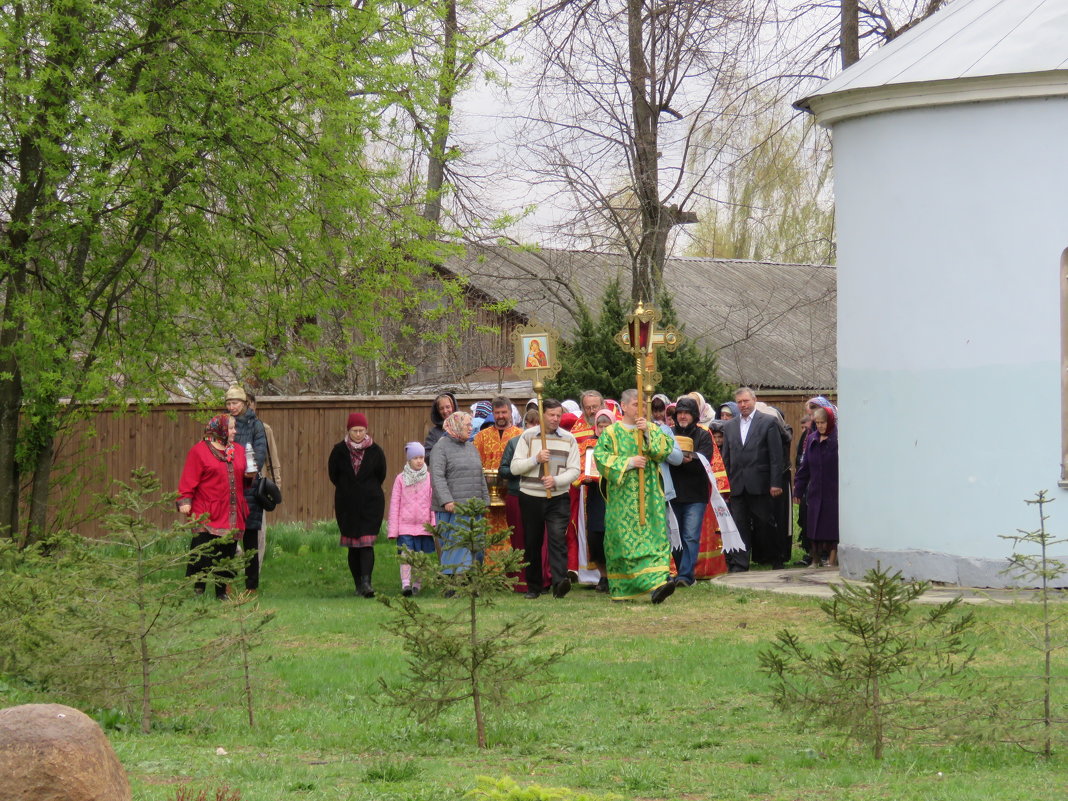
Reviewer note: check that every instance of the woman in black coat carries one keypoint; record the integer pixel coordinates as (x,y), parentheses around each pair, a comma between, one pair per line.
(357,468)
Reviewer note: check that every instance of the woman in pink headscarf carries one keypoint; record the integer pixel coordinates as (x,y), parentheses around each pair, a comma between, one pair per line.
(211,492)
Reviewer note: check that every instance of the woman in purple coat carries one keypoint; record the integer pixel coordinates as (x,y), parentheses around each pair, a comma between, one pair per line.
(817,481)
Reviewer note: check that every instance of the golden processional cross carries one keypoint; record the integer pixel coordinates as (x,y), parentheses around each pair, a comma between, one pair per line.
(641,338)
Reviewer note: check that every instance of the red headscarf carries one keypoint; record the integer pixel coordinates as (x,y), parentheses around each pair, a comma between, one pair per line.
(218,428)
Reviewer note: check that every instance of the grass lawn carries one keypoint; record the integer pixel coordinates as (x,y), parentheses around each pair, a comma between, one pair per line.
(652,702)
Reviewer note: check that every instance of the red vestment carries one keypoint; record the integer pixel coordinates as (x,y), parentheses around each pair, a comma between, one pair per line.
(584,435)
(490,442)
(710,559)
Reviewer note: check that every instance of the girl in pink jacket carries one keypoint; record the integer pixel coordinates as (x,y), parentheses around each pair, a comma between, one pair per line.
(409,512)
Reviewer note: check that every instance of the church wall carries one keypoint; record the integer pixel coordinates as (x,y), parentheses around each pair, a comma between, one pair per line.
(951,224)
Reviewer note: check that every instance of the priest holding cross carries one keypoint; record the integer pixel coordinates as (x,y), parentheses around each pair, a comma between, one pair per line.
(628,453)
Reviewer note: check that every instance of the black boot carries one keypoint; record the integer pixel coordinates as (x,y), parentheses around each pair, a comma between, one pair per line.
(367,566)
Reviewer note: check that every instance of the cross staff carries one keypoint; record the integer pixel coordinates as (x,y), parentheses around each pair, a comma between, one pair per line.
(641,338)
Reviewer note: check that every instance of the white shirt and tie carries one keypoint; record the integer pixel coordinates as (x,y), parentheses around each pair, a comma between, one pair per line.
(744,427)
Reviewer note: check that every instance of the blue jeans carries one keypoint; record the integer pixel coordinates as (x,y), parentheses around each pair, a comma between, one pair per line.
(454,559)
(690,517)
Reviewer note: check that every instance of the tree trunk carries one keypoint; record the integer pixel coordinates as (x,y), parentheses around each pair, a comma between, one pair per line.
(476,678)
(439,137)
(11,330)
(646,268)
(247,670)
(10,405)
(37,524)
(849,32)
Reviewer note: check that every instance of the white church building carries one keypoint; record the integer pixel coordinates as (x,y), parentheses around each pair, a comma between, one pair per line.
(950,149)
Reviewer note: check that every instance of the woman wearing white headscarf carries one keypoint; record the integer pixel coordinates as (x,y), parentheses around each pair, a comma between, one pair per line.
(455,477)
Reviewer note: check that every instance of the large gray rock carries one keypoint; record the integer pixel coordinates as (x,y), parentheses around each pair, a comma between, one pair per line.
(50,752)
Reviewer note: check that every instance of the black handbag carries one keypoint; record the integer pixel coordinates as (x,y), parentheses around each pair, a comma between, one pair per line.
(266,493)
(264,490)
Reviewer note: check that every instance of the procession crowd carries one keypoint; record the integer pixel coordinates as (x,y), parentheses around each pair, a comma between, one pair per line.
(594,491)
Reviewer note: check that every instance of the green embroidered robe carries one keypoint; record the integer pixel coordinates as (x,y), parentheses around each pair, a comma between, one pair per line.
(637,556)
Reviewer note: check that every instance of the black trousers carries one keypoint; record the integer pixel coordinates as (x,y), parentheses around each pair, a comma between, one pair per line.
(755,517)
(543,516)
(250,544)
(219,549)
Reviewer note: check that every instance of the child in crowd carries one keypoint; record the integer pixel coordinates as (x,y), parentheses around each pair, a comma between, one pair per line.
(409,512)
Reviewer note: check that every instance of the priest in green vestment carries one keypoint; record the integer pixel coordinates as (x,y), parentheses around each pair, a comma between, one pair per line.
(636,555)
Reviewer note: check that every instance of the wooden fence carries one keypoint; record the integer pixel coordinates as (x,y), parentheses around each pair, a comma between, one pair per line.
(109,445)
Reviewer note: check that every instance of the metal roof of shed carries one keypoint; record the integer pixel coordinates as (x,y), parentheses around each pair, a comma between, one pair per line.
(771,325)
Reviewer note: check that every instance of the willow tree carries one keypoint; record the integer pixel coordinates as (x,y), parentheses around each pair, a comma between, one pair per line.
(773,199)
(180,179)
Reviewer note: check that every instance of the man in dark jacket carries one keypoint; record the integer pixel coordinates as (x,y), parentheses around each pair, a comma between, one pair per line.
(691,489)
(250,431)
(753,455)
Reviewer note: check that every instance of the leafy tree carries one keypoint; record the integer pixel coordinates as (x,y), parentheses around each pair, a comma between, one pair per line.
(592,360)
(453,657)
(182,181)
(886,668)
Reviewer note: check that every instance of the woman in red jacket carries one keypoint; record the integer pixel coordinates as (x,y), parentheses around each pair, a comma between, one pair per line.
(212,493)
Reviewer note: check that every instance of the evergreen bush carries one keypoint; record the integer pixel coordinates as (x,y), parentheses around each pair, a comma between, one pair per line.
(888,669)
(454,657)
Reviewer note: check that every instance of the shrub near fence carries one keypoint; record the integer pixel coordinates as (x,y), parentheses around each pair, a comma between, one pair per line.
(110,444)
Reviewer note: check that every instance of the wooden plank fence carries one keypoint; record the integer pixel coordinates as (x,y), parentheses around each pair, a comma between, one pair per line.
(111,444)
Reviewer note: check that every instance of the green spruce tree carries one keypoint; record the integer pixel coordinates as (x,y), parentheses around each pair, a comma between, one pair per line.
(113,623)
(1036,725)
(887,669)
(591,359)
(455,656)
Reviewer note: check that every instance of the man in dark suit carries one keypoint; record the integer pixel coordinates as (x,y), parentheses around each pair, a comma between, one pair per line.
(753,455)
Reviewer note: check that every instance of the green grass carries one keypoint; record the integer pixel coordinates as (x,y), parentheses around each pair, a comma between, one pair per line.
(652,702)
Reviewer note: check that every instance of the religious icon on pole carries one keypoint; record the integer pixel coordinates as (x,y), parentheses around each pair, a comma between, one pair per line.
(535,353)
(641,338)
